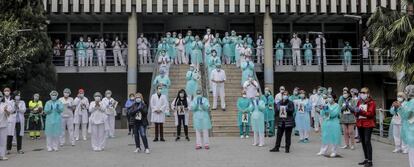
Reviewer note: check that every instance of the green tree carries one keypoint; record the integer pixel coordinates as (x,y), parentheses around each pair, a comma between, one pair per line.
(25,48)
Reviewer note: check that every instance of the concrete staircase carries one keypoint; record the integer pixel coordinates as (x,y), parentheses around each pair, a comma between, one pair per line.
(225,123)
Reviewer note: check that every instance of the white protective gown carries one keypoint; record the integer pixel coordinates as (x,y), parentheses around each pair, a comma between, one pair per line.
(218,88)
(81,115)
(98,125)
(17,115)
(110,105)
(3,127)
(67,119)
(251,88)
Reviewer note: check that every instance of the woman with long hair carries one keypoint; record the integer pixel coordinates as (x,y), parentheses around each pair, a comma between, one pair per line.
(180,106)
(139,112)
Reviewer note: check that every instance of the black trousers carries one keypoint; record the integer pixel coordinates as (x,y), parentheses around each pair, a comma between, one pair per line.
(365,138)
(288,134)
(181,121)
(159,130)
(18,138)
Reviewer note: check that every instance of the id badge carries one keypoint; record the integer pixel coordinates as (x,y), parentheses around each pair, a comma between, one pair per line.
(138,116)
(363,107)
(301,109)
(347,112)
(245,118)
(282,113)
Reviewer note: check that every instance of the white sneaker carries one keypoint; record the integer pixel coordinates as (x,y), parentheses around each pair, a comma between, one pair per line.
(396,150)
(4,159)
(84,138)
(333,155)
(147,151)
(55,149)
(241,137)
(77,139)
(261,145)
(137,150)
(247,137)
(405,151)
(254,144)
(49,149)
(345,147)
(320,154)
(352,147)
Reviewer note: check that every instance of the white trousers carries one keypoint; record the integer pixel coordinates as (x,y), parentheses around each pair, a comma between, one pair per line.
(118,55)
(260,55)
(303,134)
(81,61)
(324,148)
(84,130)
(52,142)
(317,121)
(396,132)
(411,156)
(258,136)
(318,55)
(218,90)
(89,57)
(181,56)
(67,123)
(98,138)
(202,141)
(68,60)
(111,123)
(101,57)
(3,141)
(296,57)
(143,56)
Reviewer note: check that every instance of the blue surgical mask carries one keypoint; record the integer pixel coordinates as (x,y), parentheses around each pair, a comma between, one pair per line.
(138,100)
(285,97)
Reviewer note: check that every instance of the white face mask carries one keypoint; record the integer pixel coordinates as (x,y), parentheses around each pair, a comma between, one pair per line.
(329,100)
(132,98)
(138,100)
(81,95)
(285,97)
(35,98)
(66,94)
(97,98)
(364,96)
(400,99)
(244,95)
(281,90)
(7,93)
(53,97)
(17,98)
(345,96)
(108,95)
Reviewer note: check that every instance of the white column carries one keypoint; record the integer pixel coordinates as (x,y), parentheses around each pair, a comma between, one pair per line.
(149,6)
(323,6)
(273,6)
(128,4)
(384,3)
(373,5)
(65,6)
(353,6)
(86,6)
(132,53)
(282,6)
(45,5)
(170,6)
(54,6)
(268,49)
(211,6)
(221,6)
(242,7)
(96,6)
(200,6)
(292,6)
(393,4)
(75,6)
(302,6)
(118,6)
(180,6)
(159,6)
(313,6)
(139,6)
(333,6)
(232,5)
(252,6)
(190,6)
(107,6)
(363,6)
(262,6)
(343,6)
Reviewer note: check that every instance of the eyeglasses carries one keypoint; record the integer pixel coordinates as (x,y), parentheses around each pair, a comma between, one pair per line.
(363,92)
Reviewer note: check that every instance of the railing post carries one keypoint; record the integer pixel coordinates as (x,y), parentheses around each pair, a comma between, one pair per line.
(381,122)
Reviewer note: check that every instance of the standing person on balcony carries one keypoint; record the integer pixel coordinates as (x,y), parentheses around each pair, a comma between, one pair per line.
(217,45)
(296,43)
(162,46)
(238,50)
(101,52)
(407,120)
(308,52)
(180,45)
(247,70)
(181,106)
(171,50)
(124,51)
(201,120)
(57,48)
(53,127)
(395,129)
(116,46)
(81,52)
(35,120)
(67,117)
(196,53)
(347,53)
(188,40)
(348,119)
(246,53)
(227,50)
(258,125)
(244,107)
(250,44)
(318,49)
(234,41)
(365,48)
(218,77)
(81,114)
(139,112)
(159,105)
(16,122)
(207,40)
(279,46)
(90,46)
(69,54)
(142,45)
(269,113)
(260,49)
(331,129)
(365,114)
(302,117)
(192,78)
(110,105)
(251,87)
(164,63)
(284,110)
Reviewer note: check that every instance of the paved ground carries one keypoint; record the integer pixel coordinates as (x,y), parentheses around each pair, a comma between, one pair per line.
(224,152)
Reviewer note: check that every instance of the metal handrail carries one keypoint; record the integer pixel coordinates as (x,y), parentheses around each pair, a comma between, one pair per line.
(154,74)
(205,87)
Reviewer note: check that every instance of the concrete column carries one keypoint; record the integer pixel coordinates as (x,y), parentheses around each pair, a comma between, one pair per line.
(400,85)
(268,49)
(132,53)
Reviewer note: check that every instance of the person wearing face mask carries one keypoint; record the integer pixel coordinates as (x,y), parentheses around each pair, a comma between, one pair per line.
(81,104)
(180,106)
(208,37)
(53,126)
(116,46)
(296,42)
(217,45)
(159,106)
(318,106)
(69,54)
(279,46)
(213,60)
(320,44)
(171,50)
(142,45)
(89,52)
(16,122)
(295,95)
(192,78)
(139,112)
(313,98)
(247,70)
(5,110)
(258,125)
(308,52)
(279,96)
(81,52)
(260,49)
(180,45)
(341,98)
(329,91)
(110,105)
(348,119)
(347,52)
(284,111)
(246,53)
(244,107)
(395,128)
(365,114)
(98,123)
(227,50)
(162,46)
(196,53)
(188,40)
(303,108)
(164,62)
(128,105)
(407,120)
(331,129)
(35,120)
(201,120)
(269,113)
(238,50)
(101,52)
(163,81)
(67,117)
(355,97)
(218,77)
(251,87)
(7,95)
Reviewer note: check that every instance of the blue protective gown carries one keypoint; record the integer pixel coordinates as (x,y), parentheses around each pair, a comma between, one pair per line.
(331,129)
(81,49)
(227,48)
(188,41)
(162,80)
(244,105)
(53,127)
(171,47)
(247,70)
(218,47)
(279,50)
(258,116)
(162,47)
(196,53)
(200,109)
(347,50)
(308,51)
(302,117)
(192,83)
(269,114)
(407,121)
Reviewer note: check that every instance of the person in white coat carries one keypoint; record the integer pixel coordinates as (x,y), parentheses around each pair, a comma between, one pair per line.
(365,48)
(143,44)
(5,110)
(318,49)
(296,43)
(250,87)
(101,52)
(98,125)
(116,46)
(81,114)
(67,117)
(180,106)
(7,95)
(110,105)
(90,46)
(164,62)
(16,123)
(159,106)
(180,45)
(260,49)
(218,77)
(208,38)
(396,124)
